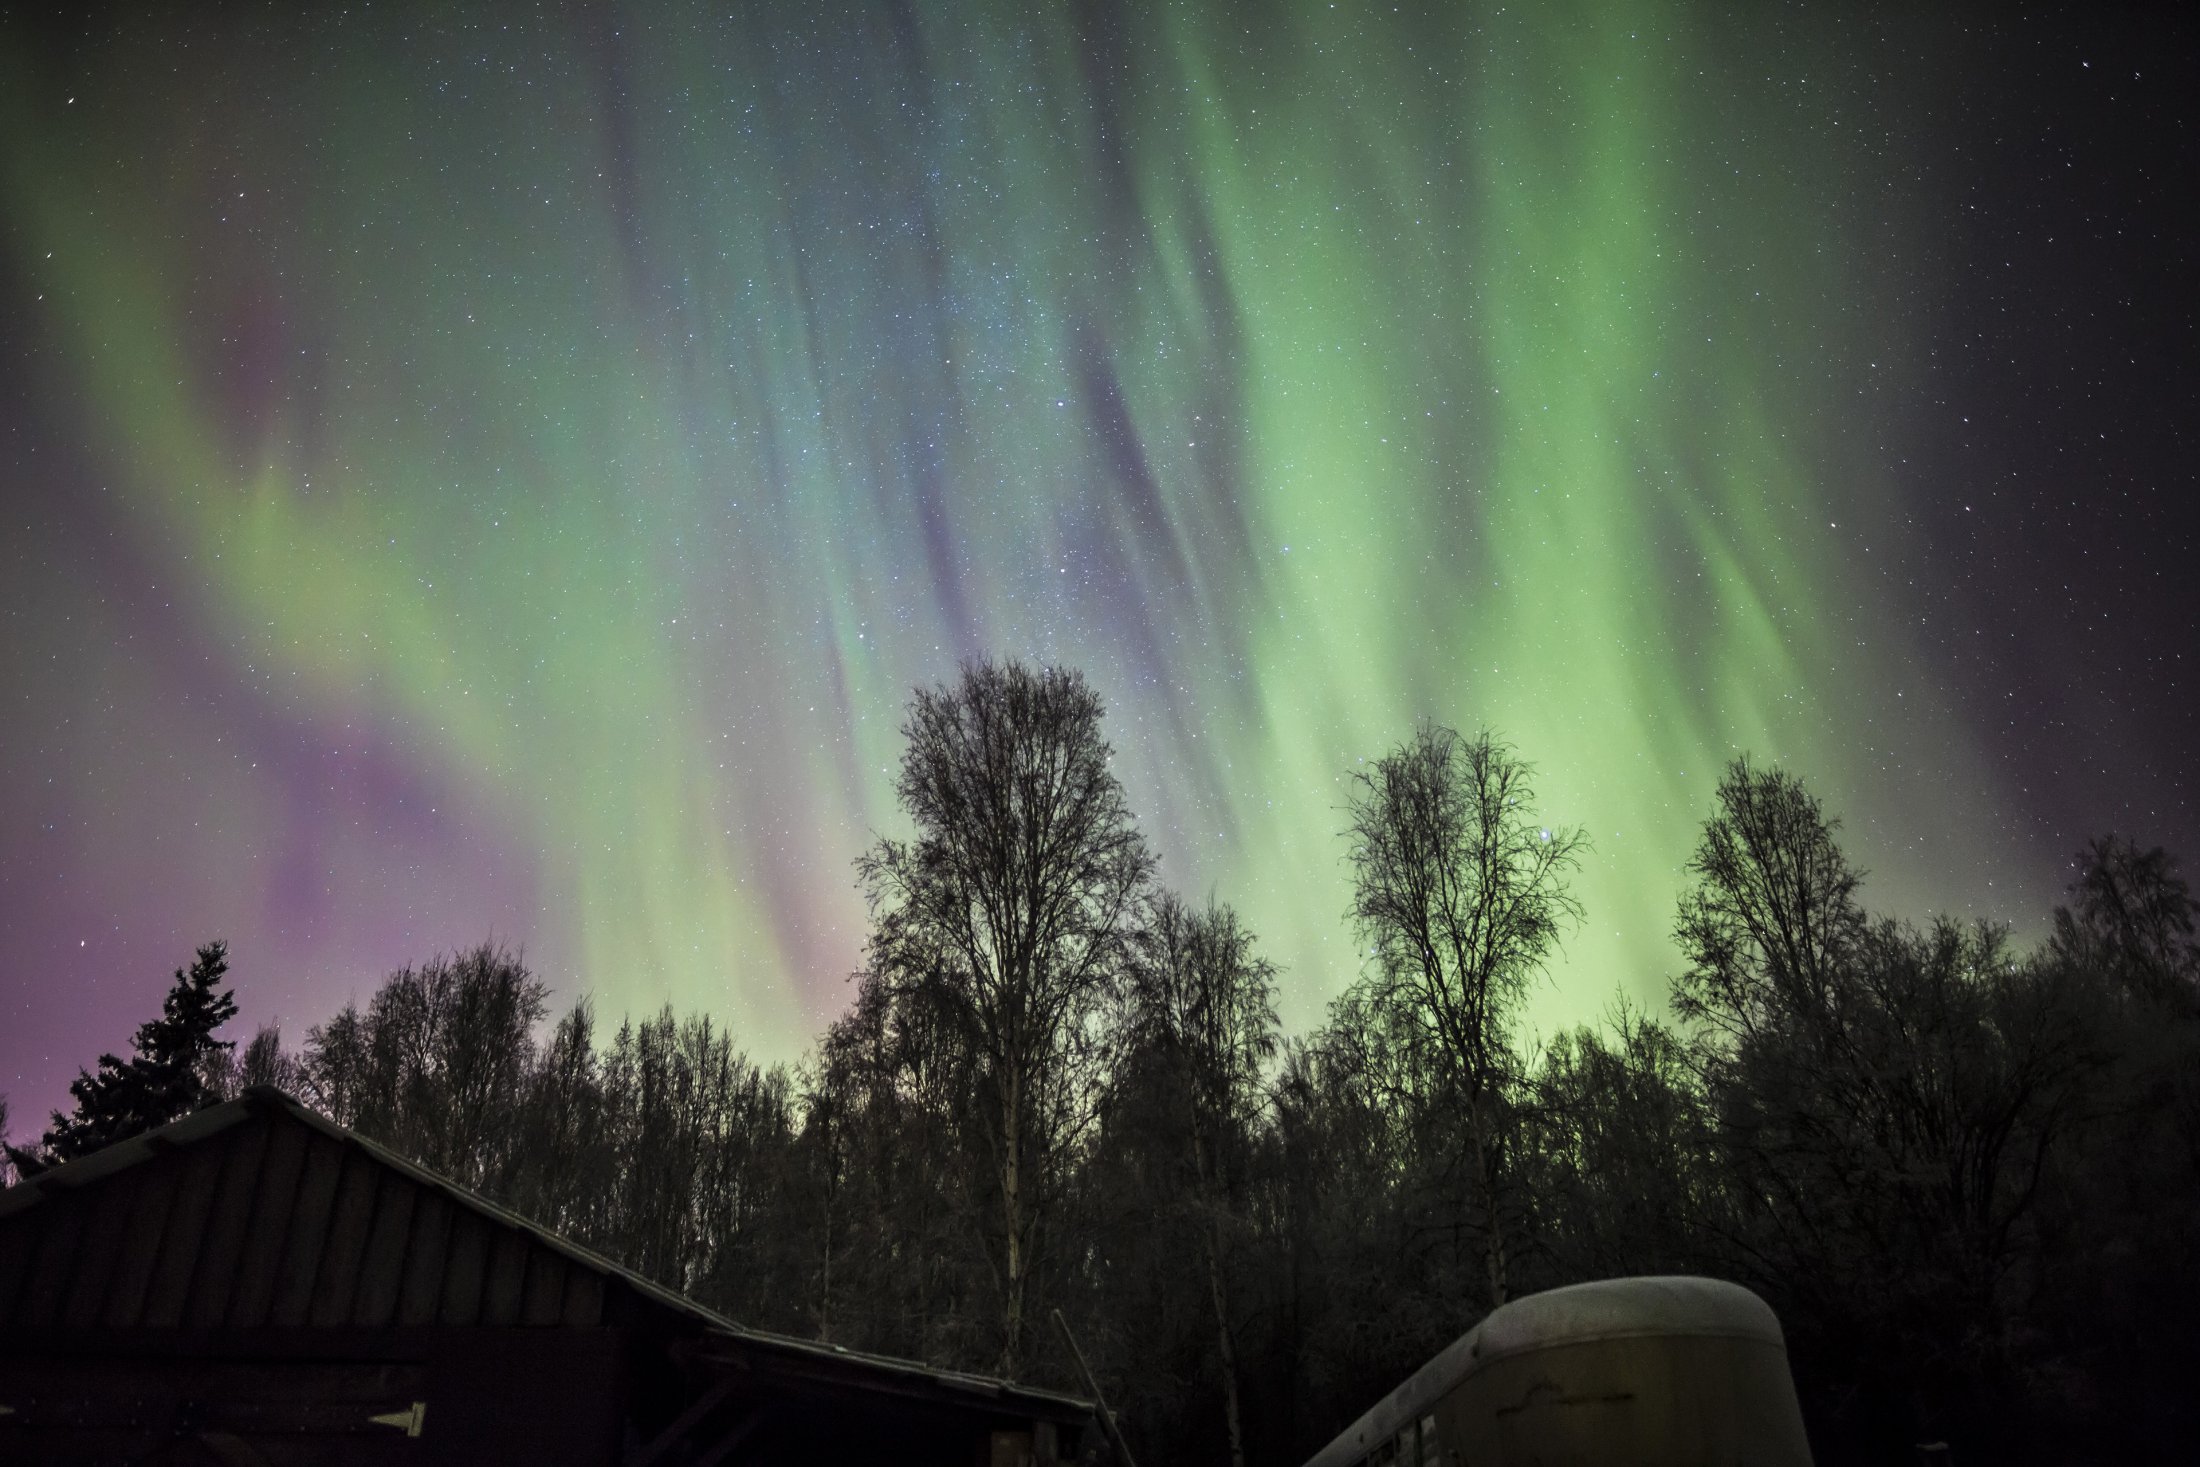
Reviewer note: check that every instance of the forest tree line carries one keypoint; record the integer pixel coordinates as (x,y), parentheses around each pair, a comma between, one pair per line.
(1967,1176)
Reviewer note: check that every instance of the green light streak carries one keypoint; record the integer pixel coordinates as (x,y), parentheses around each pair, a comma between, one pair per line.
(635,462)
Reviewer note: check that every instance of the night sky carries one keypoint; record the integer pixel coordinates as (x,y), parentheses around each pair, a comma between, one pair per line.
(499,472)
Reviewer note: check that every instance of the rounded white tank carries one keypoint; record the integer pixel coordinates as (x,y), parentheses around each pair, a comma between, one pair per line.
(1648,1372)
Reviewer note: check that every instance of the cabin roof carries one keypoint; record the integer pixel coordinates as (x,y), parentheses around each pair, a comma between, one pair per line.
(262,1213)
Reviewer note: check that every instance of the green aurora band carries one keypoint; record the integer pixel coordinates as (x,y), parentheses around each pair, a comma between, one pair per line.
(615,418)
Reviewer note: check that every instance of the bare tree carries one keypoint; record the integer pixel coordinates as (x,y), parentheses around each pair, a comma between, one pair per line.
(1889,1102)
(1460,892)
(897,1225)
(2131,917)
(436,1065)
(568,1175)
(1010,908)
(1204,1005)
(1618,1151)
(264,1061)
(1774,911)
(698,1135)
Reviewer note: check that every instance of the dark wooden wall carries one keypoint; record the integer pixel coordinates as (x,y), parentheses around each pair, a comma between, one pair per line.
(491,1396)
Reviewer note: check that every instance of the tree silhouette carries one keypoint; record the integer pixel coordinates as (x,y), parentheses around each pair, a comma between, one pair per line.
(2131,916)
(435,1065)
(1203,1015)
(1009,911)
(1773,913)
(1889,1102)
(166,1077)
(1460,891)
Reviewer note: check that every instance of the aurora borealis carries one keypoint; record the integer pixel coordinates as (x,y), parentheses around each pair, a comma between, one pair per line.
(499,470)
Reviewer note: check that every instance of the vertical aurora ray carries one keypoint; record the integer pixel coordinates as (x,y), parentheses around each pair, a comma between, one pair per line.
(590,429)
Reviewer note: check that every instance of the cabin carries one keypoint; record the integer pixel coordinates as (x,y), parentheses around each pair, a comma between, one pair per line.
(255,1286)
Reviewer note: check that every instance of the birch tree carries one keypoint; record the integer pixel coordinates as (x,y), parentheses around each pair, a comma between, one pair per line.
(1010,910)
(1459,890)
(1204,1004)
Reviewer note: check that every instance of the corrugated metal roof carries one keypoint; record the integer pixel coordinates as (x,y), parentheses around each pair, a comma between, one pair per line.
(260,1212)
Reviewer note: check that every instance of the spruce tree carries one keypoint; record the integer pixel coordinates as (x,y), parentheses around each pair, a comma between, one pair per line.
(163,1080)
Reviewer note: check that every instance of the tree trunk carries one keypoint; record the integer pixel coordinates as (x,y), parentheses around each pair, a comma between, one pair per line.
(1012,1220)
(825,1292)
(1219,1286)
(1486,1184)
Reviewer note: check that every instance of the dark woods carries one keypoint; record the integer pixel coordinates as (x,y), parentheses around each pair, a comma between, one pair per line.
(1967,1177)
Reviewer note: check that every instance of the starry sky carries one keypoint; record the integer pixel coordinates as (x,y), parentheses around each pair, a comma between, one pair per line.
(499,470)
